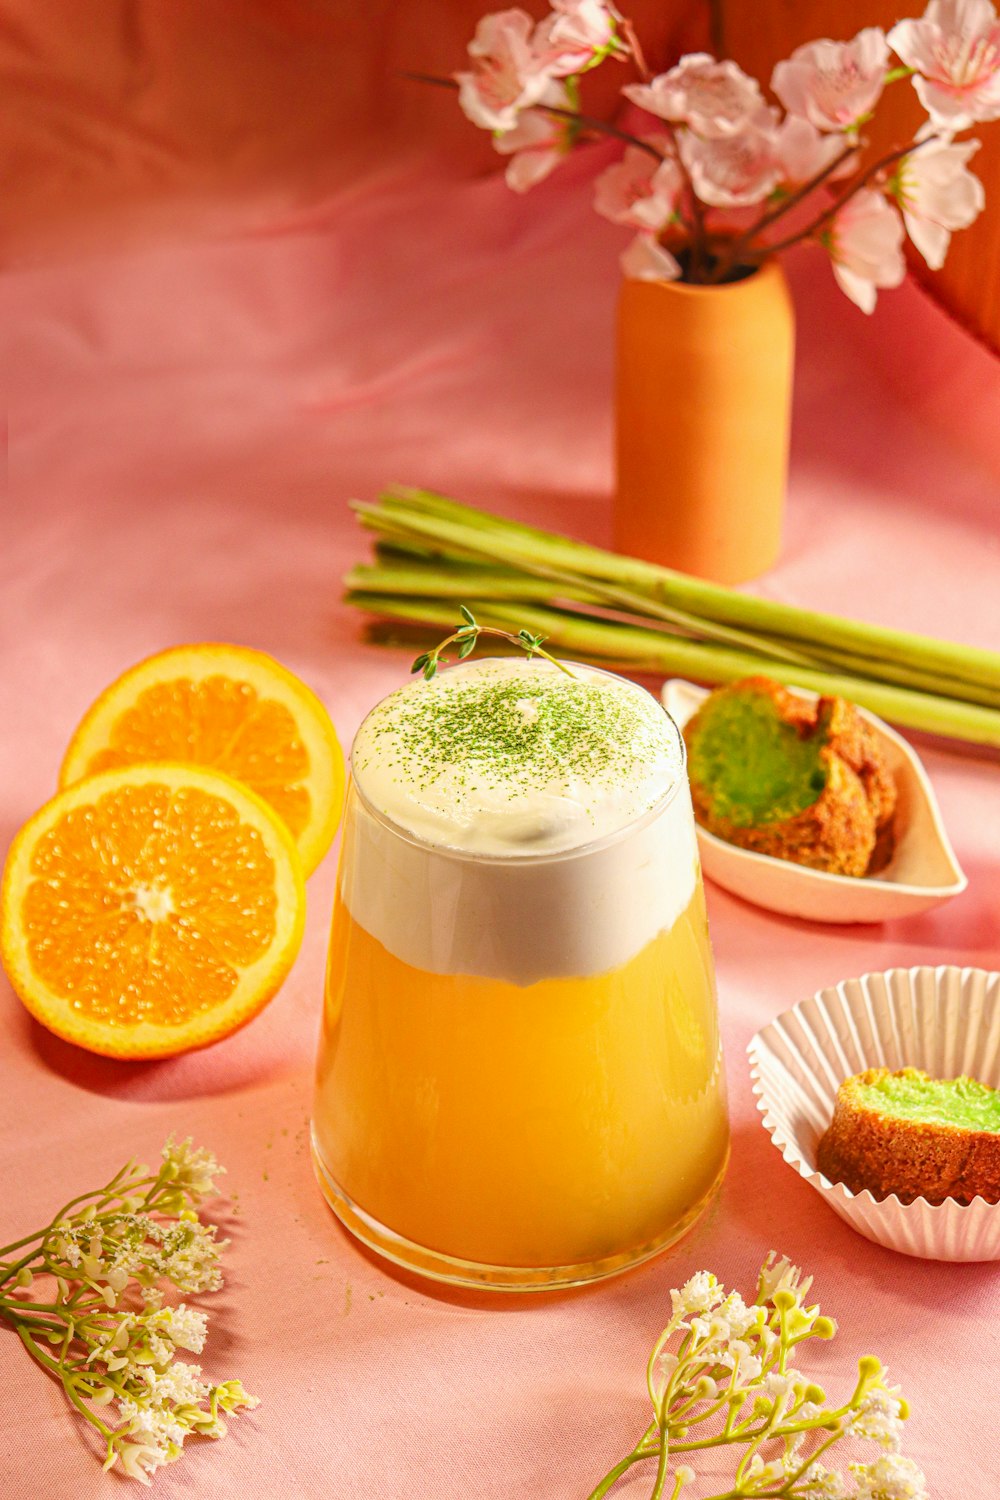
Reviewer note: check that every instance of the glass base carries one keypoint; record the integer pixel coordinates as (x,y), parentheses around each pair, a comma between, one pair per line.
(465,1273)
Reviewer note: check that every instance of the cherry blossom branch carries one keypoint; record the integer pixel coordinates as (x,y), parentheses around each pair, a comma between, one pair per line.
(585,122)
(831,211)
(737,246)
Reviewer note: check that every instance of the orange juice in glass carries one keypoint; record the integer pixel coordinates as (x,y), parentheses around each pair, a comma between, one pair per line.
(520,1079)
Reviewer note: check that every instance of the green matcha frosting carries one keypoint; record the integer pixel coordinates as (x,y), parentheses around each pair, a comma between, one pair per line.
(755,767)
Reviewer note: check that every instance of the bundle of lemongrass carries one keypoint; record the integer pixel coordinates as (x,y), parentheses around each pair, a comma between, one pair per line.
(433,553)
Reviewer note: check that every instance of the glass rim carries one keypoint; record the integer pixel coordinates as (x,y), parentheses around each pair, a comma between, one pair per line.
(547,856)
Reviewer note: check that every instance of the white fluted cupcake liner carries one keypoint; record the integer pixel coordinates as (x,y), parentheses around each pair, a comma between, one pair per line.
(944,1020)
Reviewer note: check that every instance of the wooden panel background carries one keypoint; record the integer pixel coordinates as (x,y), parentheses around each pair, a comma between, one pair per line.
(759,32)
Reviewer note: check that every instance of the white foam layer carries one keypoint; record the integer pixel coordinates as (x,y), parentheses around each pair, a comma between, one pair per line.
(515,756)
(570,871)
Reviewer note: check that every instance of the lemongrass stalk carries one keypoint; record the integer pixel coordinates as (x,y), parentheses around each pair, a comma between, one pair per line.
(409,574)
(465,541)
(880,644)
(640,649)
(455,581)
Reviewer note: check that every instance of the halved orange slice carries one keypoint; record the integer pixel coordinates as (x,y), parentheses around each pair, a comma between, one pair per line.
(230,708)
(151,909)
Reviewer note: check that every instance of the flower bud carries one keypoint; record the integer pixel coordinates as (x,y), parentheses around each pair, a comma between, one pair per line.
(23,1277)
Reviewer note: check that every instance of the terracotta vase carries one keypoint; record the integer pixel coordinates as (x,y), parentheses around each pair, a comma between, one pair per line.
(703,400)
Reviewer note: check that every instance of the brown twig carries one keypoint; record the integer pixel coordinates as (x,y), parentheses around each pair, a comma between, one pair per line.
(737,246)
(635,46)
(585,122)
(834,208)
(699,238)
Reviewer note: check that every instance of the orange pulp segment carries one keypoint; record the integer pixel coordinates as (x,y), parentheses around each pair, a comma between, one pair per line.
(149,910)
(230,708)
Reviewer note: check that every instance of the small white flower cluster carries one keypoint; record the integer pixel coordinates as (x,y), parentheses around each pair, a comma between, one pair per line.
(106,1255)
(728,1365)
(117,1339)
(191,1169)
(165,1408)
(891,1477)
(879,1418)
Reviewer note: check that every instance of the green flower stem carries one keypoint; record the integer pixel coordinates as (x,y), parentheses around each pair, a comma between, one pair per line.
(794,1477)
(612,1477)
(661,1468)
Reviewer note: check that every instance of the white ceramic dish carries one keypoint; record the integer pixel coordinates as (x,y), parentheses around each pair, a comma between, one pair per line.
(923,870)
(946,1021)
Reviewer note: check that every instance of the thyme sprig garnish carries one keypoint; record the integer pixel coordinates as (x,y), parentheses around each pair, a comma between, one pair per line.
(466,638)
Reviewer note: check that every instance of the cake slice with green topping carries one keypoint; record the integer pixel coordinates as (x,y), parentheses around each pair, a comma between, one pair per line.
(800,780)
(915,1136)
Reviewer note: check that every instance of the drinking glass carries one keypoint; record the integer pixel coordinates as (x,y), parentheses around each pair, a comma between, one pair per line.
(520,1080)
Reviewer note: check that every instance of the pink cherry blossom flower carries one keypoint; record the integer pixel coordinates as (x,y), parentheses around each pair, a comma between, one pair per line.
(537,143)
(834,85)
(506,74)
(865,242)
(638,190)
(938,194)
(732,171)
(804,152)
(578,34)
(647,260)
(955,50)
(715,98)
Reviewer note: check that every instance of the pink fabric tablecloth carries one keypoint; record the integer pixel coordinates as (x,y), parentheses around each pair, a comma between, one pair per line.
(186,426)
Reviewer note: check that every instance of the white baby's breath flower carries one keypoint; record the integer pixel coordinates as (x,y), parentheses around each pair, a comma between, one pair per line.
(139,1460)
(764,1473)
(745,1365)
(66,1248)
(779,1275)
(807,1412)
(232,1396)
(180,1383)
(191,1168)
(189,1257)
(878,1419)
(118,1356)
(700,1294)
(739,1317)
(183,1326)
(819,1483)
(890,1477)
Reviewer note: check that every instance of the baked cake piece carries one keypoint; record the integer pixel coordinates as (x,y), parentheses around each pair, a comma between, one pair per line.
(915,1136)
(799,780)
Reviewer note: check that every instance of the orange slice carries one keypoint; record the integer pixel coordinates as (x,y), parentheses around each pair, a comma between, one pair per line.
(149,910)
(230,708)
